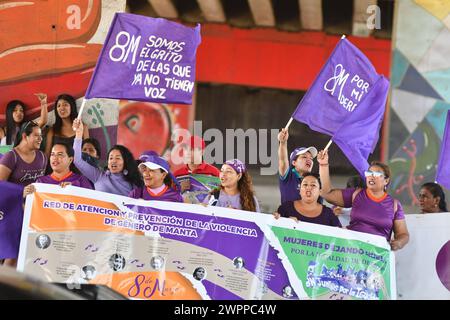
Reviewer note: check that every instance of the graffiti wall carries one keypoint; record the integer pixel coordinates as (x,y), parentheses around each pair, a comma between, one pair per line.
(420,97)
(52,46)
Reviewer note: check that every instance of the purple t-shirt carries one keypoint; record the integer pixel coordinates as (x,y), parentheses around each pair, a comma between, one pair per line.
(289,185)
(75,180)
(24,173)
(369,215)
(168,194)
(326,217)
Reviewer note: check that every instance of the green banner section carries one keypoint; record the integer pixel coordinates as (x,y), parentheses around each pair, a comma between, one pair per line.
(336,268)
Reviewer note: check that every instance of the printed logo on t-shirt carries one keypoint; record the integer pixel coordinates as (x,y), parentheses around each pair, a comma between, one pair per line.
(32,175)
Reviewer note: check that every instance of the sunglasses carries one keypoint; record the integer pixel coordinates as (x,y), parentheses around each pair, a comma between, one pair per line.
(375,174)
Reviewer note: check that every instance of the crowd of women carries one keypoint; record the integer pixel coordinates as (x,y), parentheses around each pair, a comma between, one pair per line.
(69,157)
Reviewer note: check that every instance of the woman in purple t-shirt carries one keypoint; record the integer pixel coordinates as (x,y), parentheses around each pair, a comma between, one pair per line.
(24,163)
(63,170)
(159,183)
(373,210)
(308,208)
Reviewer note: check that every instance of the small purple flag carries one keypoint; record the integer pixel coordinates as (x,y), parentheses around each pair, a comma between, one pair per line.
(146,59)
(443,169)
(359,132)
(340,88)
(11,217)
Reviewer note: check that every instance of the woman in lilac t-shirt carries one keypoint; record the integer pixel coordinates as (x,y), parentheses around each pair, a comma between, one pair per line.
(373,210)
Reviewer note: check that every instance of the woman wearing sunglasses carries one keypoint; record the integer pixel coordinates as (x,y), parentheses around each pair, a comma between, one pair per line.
(373,209)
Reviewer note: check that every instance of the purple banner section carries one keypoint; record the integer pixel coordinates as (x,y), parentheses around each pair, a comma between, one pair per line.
(339,89)
(443,169)
(230,238)
(146,59)
(359,132)
(11,217)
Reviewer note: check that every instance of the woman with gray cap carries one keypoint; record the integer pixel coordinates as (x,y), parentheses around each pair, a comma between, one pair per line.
(292,169)
(236,188)
(159,182)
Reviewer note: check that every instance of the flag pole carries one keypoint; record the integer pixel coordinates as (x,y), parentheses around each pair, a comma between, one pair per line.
(343,36)
(81,109)
(289,123)
(328,145)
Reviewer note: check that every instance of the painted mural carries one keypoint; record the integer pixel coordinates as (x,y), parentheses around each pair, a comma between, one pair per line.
(420,97)
(52,46)
(151,126)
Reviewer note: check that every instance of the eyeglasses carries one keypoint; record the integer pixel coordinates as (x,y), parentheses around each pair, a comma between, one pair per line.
(375,174)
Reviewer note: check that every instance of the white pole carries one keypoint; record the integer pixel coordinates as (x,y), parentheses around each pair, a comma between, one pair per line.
(343,36)
(328,145)
(289,123)
(81,108)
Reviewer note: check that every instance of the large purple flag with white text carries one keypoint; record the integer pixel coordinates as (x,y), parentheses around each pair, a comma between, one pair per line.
(359,132)
(443,169)
(146,59)
(344,82)
(11,217)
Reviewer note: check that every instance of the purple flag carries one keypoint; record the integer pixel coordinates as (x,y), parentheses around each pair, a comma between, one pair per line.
(443,169)
(359,132)
(340,89)
(11,217)
(146,59)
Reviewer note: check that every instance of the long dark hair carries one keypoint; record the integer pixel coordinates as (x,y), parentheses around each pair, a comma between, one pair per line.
(27,128)
(10,123)
(245,187)
(129,164)
(247,195)
(436,191)
(73,111)
(168,181)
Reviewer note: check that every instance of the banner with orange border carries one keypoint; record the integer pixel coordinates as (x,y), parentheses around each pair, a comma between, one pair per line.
(163,250)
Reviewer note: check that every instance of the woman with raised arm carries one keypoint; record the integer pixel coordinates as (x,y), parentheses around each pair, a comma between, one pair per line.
(62,131)
(15,116)
(121,174)
(373,209)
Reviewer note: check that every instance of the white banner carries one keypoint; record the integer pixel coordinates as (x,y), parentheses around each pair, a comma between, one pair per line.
(423,266)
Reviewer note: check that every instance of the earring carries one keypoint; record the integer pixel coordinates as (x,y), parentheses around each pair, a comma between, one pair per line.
(125,172)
